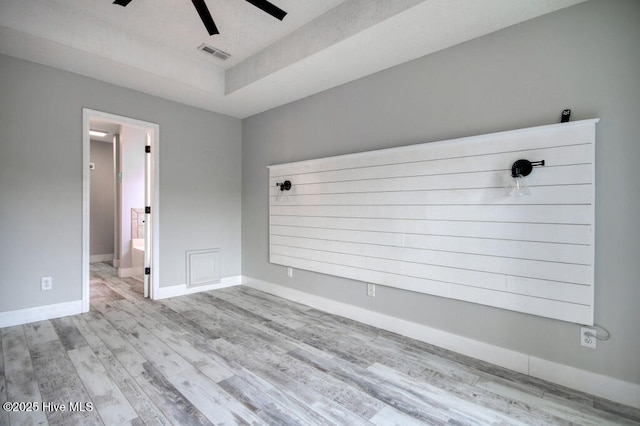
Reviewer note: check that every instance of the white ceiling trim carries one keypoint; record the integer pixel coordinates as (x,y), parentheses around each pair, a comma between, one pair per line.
(340,23)
(278,74)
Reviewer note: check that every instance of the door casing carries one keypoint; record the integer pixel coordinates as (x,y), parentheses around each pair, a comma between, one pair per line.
(152,186)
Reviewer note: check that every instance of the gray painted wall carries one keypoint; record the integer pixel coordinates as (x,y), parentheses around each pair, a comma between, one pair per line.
(41,180)
(586,58)
(102,198)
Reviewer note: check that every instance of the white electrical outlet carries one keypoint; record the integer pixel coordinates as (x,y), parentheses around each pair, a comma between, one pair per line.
(588,337)
(371,290)
(290,272)
(46,283)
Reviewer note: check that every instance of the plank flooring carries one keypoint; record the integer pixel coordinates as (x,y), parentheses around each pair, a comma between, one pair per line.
(240,356)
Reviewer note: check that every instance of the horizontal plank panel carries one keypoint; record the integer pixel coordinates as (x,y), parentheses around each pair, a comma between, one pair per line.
(519,286)
(500,162)
(579,194)
(561,310)
(552,233)
(419,285)
(441,213)
(574,133)
(397,267)
(580,294)
(579,214)
(548,175)
(564,253)
(571,273)
(555,309)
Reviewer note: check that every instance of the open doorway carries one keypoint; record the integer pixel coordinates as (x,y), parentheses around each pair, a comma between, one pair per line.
(128,232)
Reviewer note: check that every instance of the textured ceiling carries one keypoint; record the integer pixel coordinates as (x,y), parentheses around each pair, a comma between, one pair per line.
(151,45)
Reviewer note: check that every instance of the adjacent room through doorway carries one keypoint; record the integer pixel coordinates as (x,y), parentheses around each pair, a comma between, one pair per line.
(118,200)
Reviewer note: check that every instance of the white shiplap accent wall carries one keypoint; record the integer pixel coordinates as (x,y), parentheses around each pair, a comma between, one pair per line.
(434,218)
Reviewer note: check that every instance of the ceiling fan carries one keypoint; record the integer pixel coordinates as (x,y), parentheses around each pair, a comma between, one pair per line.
(207,20)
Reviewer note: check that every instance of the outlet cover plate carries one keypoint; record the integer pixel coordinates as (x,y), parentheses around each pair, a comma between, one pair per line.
(588,341)
(46,283)
(371,290)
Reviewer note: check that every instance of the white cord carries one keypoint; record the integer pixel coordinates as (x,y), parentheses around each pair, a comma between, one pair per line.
(606,333)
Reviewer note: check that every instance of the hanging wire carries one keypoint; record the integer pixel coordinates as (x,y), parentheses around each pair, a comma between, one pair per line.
(606,335)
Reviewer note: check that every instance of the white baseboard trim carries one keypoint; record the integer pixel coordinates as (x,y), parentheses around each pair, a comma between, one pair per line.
(94,258)
(616,390)
(129,272)
(610,388)
(182,289)
(40,313)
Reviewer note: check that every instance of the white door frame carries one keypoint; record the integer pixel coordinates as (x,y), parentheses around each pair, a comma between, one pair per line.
(87,116)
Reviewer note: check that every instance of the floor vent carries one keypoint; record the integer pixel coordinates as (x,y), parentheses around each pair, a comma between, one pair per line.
(214,52)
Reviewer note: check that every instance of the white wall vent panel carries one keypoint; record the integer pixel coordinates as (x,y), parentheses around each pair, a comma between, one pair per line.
(203,267)
(435,218)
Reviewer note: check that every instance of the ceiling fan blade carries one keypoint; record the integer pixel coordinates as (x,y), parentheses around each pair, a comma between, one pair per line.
(270,8)
(207,20)
(122,3)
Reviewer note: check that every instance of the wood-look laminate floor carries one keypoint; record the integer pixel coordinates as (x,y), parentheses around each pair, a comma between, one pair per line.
(240,356)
